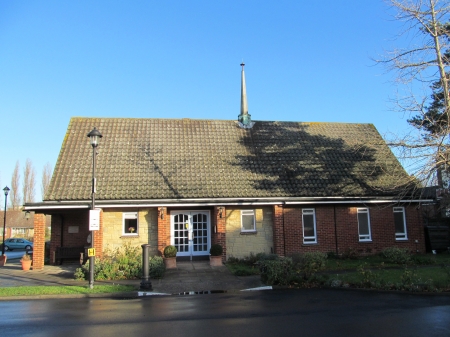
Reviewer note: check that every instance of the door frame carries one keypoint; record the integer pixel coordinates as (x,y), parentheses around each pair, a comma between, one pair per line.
(189,212)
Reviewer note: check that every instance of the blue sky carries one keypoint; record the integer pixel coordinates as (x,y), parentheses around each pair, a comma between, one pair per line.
(305,61)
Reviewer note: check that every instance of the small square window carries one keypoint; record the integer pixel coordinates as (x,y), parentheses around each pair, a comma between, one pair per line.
(400,223)
(364,224)
(248,223)
(130,223)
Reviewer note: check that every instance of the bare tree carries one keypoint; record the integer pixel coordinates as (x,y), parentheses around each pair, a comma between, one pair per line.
(422,72)
(29,182)
(46,177)
(14,198)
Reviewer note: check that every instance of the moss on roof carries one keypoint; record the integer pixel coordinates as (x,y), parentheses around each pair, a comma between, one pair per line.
(184,158)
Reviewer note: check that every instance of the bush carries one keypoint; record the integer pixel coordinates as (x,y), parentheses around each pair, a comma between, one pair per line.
(170,251)
(309,263)
(396,255)
(157,267)
(275,272)
(216,250)
(121,264)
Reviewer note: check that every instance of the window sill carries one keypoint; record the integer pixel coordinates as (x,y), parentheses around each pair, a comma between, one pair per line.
(249,233)
(401,240)
(365,241)
(305,244)
(129,236)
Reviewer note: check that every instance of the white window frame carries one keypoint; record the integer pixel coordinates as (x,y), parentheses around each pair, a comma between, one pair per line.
(364,237)
(404,235)
(129,216)
(246,213)
(309,239)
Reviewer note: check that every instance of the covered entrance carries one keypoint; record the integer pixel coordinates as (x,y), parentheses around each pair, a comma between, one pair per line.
(191,232)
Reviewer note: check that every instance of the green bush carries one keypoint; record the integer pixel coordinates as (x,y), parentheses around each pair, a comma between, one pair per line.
(309,263)
(397,255)
(216,250)
(157,267)
(121,264)
(170,251)
(276,272)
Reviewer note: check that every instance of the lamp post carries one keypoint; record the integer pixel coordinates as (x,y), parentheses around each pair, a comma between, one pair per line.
(6,190)
(94,136)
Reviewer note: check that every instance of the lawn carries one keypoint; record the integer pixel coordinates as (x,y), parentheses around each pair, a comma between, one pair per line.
(425,272)
(62,290)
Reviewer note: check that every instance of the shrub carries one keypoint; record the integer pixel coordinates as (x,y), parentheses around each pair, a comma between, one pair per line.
(216,250)
(170,251)
(350,253)
(309,263)
(276,271)
(122,263)
(157,267)
(397,255)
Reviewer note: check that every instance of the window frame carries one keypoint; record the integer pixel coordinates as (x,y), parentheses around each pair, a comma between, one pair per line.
(364,237)
(248,212)
(400,236)
(130,216)
(308,240)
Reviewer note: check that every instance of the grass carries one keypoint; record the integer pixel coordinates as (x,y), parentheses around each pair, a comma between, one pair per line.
(239,269)
(425,272)
(62,290)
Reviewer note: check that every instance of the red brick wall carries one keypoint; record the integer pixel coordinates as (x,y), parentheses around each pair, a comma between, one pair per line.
(163,228)
(218,230)
(381,224)
(60,235)
(39,241)
(278,230)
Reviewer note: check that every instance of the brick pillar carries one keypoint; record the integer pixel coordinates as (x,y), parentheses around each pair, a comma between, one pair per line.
(219,235)
(98,238)
(278,230)
(39,241)
(163,228)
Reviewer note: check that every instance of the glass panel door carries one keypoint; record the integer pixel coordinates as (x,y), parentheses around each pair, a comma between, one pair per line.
(190,232)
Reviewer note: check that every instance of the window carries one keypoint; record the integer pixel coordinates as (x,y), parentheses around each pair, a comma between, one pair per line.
(130,223)
(400,223)
(364,224)
(248,223)
(309,225)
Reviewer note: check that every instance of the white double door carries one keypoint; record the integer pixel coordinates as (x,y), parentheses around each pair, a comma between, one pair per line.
(190,232)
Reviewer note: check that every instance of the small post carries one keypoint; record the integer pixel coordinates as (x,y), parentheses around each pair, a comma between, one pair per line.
(145,283)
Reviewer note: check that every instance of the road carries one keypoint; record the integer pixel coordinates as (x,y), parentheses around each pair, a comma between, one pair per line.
(303,312)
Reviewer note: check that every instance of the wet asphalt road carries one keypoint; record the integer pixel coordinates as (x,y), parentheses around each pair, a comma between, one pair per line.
(303,312)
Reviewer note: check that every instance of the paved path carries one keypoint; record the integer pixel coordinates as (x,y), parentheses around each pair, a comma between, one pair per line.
(196,276)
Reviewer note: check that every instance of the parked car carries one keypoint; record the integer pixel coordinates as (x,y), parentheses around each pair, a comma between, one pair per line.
(14,243)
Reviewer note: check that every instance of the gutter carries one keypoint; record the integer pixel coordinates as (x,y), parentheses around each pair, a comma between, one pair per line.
(46,205)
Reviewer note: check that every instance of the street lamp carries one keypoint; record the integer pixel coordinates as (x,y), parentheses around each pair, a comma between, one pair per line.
(6,190)
(94,136)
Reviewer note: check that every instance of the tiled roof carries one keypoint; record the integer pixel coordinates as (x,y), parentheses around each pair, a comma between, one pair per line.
(183,158)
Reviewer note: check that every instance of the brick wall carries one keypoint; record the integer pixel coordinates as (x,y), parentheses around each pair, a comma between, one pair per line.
(218,230)
(337,230)
(39,241)
(78,223)
(163,228)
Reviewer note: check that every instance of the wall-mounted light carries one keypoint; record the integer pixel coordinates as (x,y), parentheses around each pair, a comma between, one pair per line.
(161,211)
(27,215)
(220,212)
